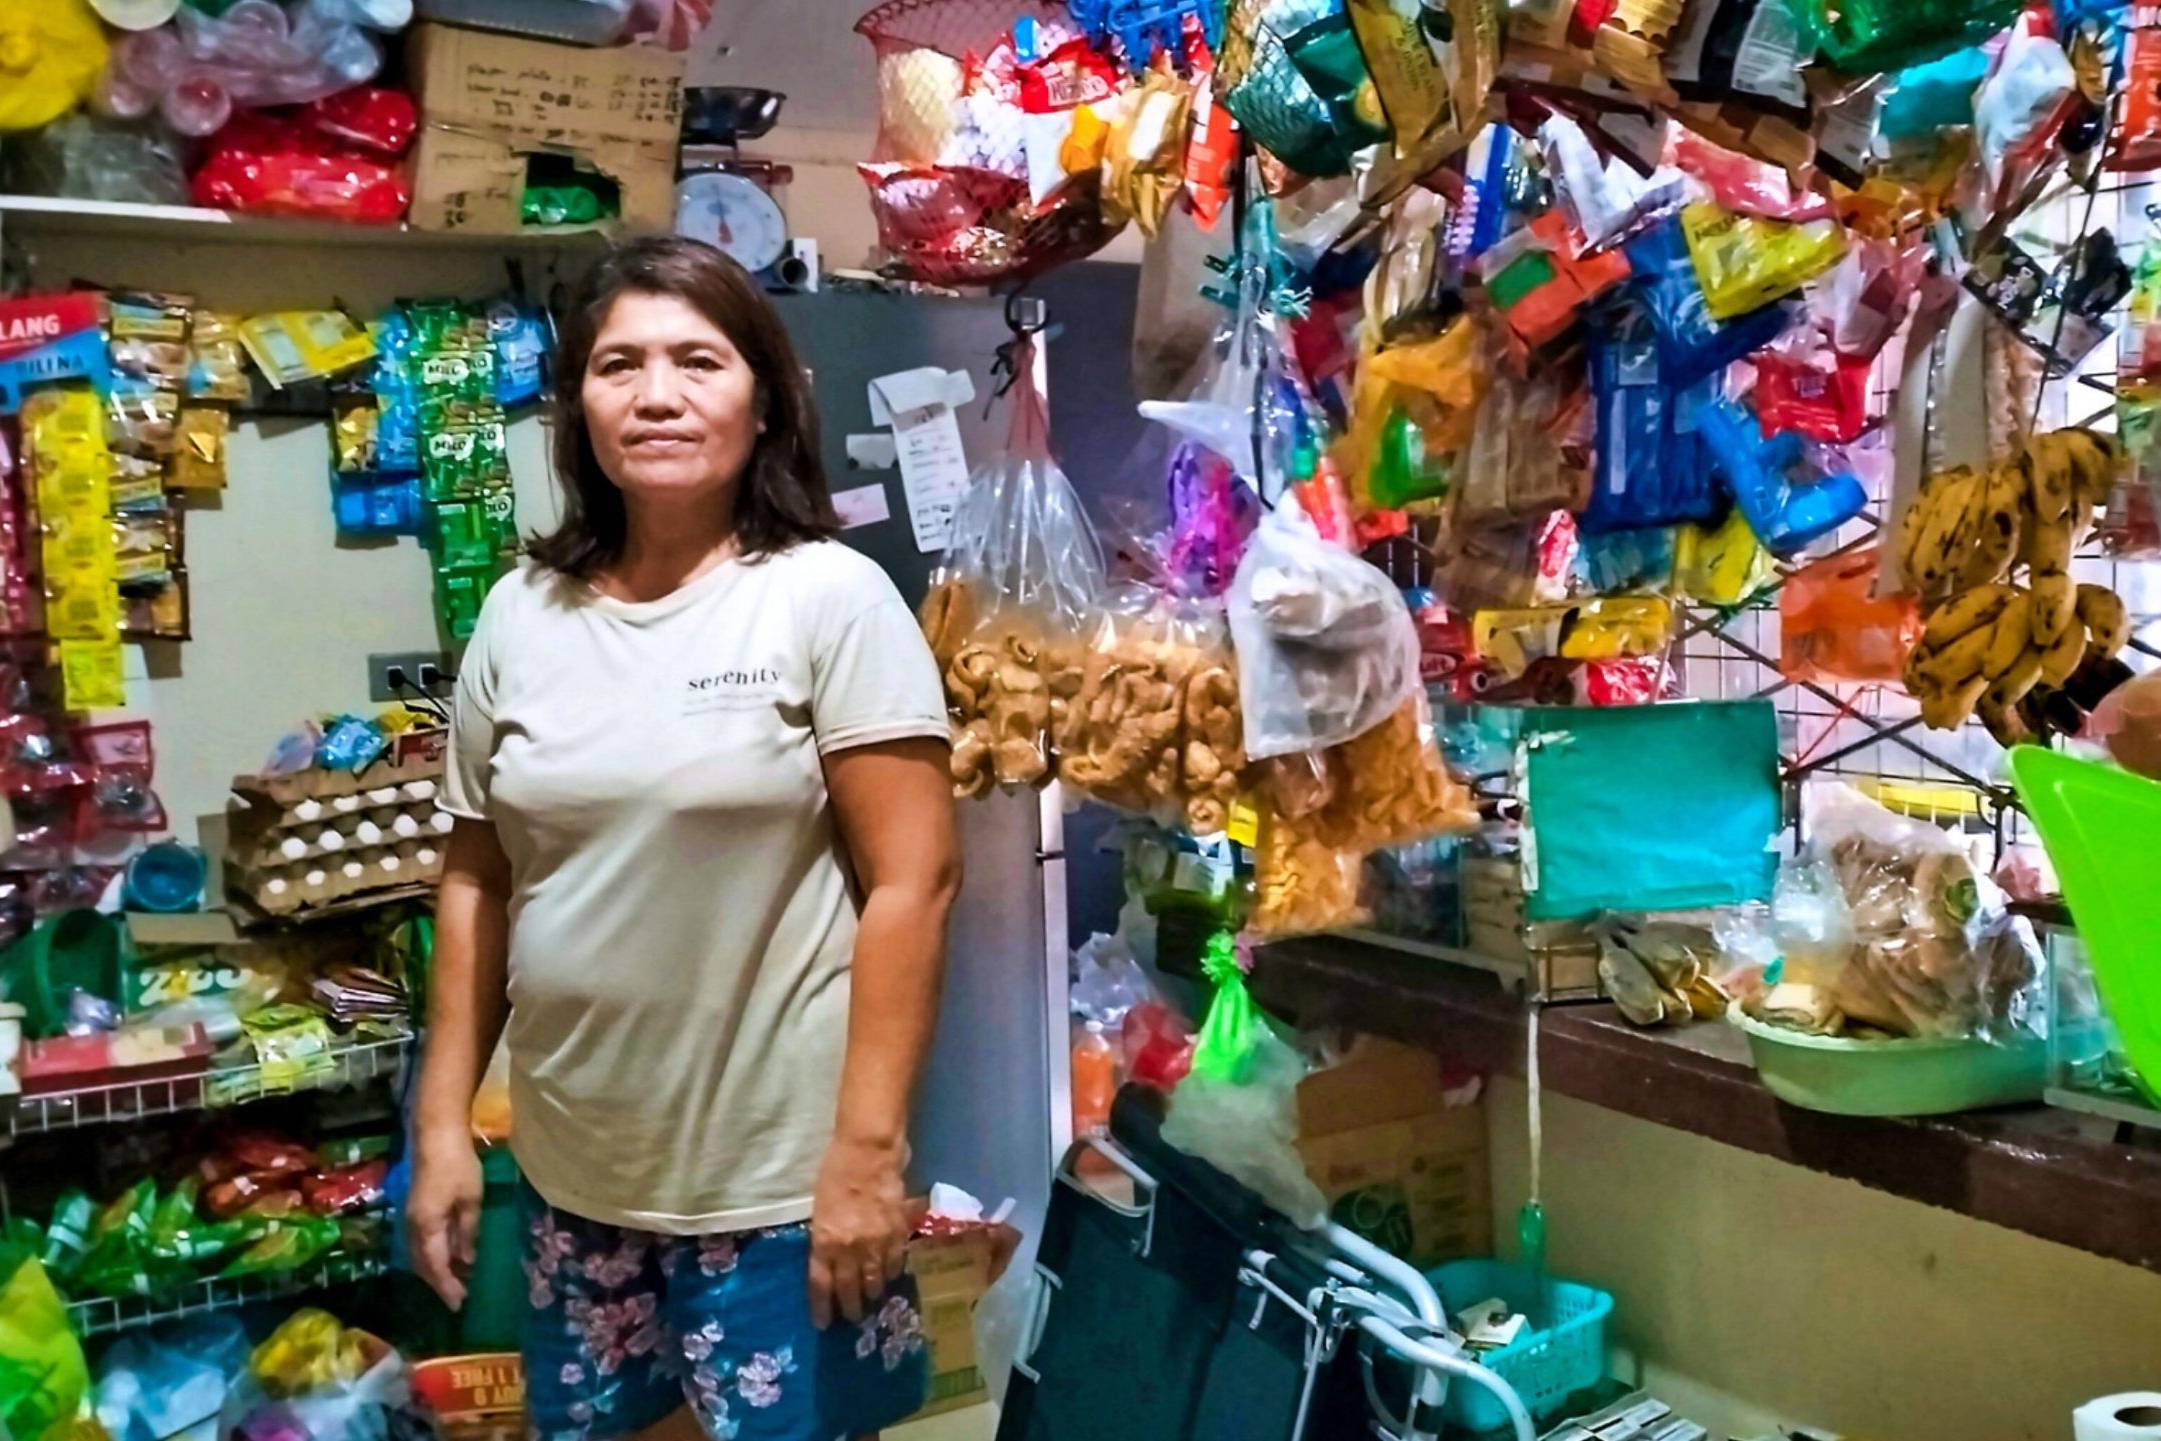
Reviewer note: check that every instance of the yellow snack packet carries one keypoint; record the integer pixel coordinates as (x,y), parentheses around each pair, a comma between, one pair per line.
(199,464)
(82,612)
(1405,67)
(1509,640)
(290,346)
(91,676)
(1724,566)
(1618,625)
(1744,262)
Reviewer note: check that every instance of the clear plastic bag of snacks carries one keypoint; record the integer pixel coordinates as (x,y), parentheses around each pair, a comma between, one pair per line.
(1326,646)
(1004,615)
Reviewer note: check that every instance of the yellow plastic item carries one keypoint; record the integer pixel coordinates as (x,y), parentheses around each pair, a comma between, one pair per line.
(1448,368)
(1920,800)
(1745,262)
(1720,567)
(51,53)
(1619,625)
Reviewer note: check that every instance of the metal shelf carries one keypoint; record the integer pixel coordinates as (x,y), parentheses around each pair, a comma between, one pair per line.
(209,1090)
(102,1315)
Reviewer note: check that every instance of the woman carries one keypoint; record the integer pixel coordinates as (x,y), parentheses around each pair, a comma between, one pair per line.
(702,865)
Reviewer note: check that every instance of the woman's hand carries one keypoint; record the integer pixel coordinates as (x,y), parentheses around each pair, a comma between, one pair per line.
(858,1228)
(442,1213)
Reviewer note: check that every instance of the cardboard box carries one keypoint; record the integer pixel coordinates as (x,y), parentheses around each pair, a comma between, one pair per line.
(489,102)
(951,1274)
(1398,1163)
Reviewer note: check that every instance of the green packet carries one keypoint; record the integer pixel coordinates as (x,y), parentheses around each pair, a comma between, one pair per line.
(287,1244)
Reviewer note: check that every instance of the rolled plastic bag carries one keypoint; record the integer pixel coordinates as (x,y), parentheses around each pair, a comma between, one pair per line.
(1238,1108)
(1326,647)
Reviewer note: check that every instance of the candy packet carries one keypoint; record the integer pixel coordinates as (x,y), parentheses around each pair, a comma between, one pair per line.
(1692,342)
(1744,262)
(292,346)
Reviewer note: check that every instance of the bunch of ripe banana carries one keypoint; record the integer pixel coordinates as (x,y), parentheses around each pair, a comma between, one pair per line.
(1989,646)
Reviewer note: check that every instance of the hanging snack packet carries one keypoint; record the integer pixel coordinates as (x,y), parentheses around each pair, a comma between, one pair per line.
(1326,648)
(2025,100)
(1862,37)
(291,346)
(1023,572)
(2136,142)
(1392,786)
(1787,501)
(1065,107)
(1746,52)
(1722,565)
(1616,627)
(1143,157)
(1744,262)
(1516,468)
(1123,723)
(1646,468)
(1823,402)
(1692,342)
(1432,66)
(1292,75)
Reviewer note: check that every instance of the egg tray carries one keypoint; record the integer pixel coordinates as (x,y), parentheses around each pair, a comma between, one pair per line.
(289,790)
(298,895)
(265,868)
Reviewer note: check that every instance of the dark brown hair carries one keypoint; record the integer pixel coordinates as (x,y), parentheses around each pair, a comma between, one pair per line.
(780,499)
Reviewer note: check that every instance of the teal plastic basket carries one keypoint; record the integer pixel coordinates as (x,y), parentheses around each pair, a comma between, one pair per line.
(1561,1351)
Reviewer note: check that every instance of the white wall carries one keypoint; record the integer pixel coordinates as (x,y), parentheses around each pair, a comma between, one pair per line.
(1757,1292)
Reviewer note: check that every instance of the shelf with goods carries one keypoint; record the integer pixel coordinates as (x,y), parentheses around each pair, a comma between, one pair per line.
(103,1315)
(220,1088)
(29,216)
(2033,1169)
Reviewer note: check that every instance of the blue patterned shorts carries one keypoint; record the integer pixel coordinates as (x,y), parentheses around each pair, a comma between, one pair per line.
(626,1325)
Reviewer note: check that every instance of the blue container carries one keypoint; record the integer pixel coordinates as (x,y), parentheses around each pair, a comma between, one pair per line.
(165,877)
(1560,1352)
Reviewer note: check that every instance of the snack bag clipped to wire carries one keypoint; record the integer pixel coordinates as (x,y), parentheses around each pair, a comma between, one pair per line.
(1326,647)
(1004,616)
(1745,262)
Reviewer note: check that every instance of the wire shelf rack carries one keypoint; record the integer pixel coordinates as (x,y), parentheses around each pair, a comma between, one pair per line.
(346,1067)
(103,1315)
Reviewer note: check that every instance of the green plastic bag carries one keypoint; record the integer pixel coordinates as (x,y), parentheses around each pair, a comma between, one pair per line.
(1238,1108)
(1234,1026)
(42,1374)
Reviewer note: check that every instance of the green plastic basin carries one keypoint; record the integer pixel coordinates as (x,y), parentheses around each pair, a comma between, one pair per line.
(1931,1076)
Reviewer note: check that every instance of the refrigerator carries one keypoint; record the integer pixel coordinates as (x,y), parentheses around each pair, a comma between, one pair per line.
(994,1111)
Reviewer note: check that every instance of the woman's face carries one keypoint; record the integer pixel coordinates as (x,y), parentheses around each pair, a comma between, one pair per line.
(670,406)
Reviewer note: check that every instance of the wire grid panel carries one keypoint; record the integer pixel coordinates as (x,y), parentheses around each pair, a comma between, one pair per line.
(1872,731)
(102,1315)
(346,1067)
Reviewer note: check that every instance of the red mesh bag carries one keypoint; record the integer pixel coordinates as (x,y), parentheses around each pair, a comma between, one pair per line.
(948,177)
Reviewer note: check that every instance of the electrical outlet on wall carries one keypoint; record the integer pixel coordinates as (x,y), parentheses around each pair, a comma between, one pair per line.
(400,675)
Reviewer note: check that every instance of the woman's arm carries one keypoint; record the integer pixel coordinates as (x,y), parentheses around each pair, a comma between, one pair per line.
(467,1004)
(894,805)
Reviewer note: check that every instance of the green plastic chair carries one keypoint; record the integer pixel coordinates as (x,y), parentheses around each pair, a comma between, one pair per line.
(2102,828)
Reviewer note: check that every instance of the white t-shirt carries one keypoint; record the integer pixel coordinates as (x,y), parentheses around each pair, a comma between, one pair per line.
(683,916)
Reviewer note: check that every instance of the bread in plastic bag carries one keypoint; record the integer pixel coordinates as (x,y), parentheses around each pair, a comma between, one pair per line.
(1326,647)
(1003,615)
(1886,924)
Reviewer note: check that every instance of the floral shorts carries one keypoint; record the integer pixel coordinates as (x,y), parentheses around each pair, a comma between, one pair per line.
(626,1325)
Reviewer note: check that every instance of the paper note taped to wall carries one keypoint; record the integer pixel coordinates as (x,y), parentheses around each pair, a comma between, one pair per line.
(919,404)
(864,505)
